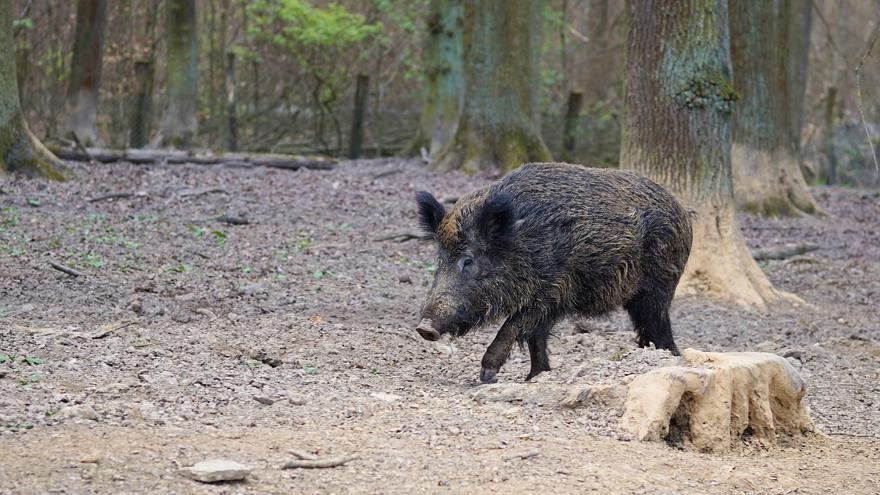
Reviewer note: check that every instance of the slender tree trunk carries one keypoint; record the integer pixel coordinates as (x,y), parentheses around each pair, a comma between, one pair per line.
(231,112)
(769,42)
(357,121)
(143,103)
(570,126)
(81,112)
(20,150)
(677,130)
(444,78)
(830,152)
(498,128)
(179,123)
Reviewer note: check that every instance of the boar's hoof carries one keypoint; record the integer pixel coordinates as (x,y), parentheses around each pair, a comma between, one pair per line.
(488,375)
(427,331)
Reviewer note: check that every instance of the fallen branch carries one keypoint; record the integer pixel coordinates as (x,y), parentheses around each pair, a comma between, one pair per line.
(157,156)
(387,173)
(316,463)
(118,195)
(782,252)
(403,237)
(198,192)
(232,220)
(66,269)
(100,334)
(523,455)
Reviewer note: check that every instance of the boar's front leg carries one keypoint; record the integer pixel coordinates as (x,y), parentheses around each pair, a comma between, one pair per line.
(532,326)
(498,351)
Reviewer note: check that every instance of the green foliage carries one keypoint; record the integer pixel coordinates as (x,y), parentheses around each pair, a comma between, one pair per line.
(294,24)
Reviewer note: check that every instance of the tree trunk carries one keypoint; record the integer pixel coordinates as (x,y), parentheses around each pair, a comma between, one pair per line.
(677,130)
(143,103)
(181,77)
(20,150)
(444,78)
(498,128)
(570,126)
(231,103)
(81,113)
(769,42)
(830,152)
(357,121)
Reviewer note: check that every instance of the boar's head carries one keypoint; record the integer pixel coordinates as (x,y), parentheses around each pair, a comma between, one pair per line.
(475,241)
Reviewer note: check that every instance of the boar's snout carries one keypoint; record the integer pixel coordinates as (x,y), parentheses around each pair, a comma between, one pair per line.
(427,330)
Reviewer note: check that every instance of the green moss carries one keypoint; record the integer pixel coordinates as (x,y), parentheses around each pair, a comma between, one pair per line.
(708,89)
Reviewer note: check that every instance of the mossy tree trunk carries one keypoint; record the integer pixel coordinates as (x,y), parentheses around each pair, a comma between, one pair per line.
(179,122)
(81,112)
(498,128)
(20,150)
(444,77)
(769,43)
(677,130)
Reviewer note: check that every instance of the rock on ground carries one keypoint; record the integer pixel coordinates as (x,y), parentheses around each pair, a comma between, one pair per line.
(725,398)
(216,470)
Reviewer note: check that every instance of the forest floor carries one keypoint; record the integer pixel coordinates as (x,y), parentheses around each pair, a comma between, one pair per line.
(189,339)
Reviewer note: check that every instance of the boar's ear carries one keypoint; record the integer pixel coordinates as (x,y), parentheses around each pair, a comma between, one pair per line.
(431,212)
(495,220)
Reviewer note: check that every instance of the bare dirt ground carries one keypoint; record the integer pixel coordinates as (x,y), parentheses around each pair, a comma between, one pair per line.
(193,339)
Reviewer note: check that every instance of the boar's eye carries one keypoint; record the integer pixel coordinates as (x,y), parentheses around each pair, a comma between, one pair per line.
(465,262)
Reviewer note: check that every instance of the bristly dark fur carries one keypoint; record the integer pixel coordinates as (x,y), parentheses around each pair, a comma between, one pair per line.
(431,212)
(550,240)
(494,221)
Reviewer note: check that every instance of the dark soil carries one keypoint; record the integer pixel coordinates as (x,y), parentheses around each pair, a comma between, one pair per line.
(192,338)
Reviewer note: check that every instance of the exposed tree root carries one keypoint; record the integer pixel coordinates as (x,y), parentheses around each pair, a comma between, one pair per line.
(21,151)
(721,266)
(770,184)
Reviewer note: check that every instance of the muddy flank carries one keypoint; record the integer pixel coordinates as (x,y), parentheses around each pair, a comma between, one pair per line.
(188,338)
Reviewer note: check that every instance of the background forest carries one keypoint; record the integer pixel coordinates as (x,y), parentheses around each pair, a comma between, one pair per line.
(232,266)
(291,68)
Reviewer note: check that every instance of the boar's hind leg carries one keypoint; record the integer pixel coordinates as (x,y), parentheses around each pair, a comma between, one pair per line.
(650,316)
(538,352)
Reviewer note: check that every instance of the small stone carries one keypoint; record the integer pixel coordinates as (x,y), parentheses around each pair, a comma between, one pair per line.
(216,470)
(444,348)
(81,411)
(264,400)
(232,316)
(454,430)
(296,402)
(90,459)
(385,397)
(404,279)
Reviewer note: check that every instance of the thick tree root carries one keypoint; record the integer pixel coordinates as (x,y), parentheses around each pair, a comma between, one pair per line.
(770,184)
(21,151)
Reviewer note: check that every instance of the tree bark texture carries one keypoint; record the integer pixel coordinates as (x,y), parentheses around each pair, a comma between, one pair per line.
(81,110)
(498,128)
(444,77)
(20,150)
(769,43)
(179,123)
(677,130)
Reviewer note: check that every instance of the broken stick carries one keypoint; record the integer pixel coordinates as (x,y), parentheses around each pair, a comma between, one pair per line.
(318,463)
(782,252)
(523,455)
(66,269)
